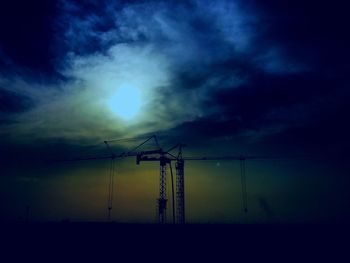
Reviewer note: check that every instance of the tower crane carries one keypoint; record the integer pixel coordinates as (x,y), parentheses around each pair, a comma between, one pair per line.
(166,158)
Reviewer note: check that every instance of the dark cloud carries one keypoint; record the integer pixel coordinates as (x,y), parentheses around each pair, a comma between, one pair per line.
(11,102)
(304,112)
(312,32)
(26,36)
(294,98)
(222,68)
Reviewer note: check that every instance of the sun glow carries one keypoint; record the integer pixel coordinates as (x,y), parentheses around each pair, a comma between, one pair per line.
(126,102)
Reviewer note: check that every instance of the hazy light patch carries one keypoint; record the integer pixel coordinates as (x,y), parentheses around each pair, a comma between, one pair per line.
(126,102)
(89,97)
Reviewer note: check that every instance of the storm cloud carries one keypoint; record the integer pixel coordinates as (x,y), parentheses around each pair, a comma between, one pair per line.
(245,68)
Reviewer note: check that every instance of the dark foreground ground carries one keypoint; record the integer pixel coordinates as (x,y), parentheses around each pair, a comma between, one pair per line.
(218,243)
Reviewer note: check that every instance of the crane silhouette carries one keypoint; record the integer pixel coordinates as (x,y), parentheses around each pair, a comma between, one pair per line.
(166,158)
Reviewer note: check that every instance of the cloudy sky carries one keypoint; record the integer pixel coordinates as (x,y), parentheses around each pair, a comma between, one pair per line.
(224,77)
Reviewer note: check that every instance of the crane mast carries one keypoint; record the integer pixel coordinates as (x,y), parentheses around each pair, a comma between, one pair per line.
(161,157)
(162,200)
(165,158)
(180,191)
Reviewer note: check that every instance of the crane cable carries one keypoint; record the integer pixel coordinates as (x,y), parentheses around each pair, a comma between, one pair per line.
(112,170)
(244,186)
(172,191)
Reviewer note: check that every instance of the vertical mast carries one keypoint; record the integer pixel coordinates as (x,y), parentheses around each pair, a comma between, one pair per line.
(162,191)
(180,192)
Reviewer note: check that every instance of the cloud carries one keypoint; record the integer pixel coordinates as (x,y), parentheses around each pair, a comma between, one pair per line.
(11,102)
(218,68)
(145,45)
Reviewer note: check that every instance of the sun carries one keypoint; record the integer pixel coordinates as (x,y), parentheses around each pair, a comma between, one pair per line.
(126,102)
